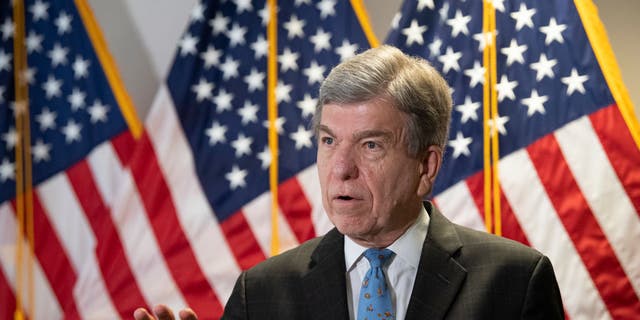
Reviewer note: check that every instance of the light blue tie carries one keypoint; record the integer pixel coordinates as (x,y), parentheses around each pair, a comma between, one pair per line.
(375,299)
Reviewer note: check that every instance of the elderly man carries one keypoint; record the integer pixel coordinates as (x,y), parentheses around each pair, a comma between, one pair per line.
(382,123)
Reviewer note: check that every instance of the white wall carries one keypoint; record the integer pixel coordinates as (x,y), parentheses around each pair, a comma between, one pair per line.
(142,35)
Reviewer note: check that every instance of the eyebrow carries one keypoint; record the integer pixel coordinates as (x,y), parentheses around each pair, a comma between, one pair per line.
(386,135)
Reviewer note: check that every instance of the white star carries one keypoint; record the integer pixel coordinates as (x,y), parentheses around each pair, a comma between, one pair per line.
(327,8)
(498,4)
(41,151)
(5,61)
(535,103)
(47,119)
(505,88)
(203,89)
(71,131)
(188,45)
(288,60)
(28,75)
(229,68)
(301,2)
(434,47)
(468,110)
(514,52)
(58,55)
(320,40)
(523,17)
(243,5)
(76,99)
(425,3)
(459,24)
(197,13)
(450,60)
(414,33)
(242,145)
(553,32)
(484,39)
(39,10)
(255,80)
(249,113)
(395,22)
(302,138)
(98,112)
(52,87)
(544,67)
(7,29)
(265,15)
(294,27)
(499,125)
(315,73)
(63,22)
(211,57)
(80,68)
(283,92)
(236,177)
(236,35)
(34,42)
(7,170)
(444,11)
(307,105)
(476,74)
(219,23)
(278,124)
(260,47)
(265,157)
(223,101)
(575,82)
(460,145)
(10,138)
(216,133)
(346,50)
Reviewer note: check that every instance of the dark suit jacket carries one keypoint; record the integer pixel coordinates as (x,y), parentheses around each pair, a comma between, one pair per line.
(463,274)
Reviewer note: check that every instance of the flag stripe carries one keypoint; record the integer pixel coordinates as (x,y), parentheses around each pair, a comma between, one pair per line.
(583,229)
(476,186)
(457,203)
(309,182)
(8,304)
(621,149)
(510,225)
(296,209)
(539,220)
(242,241)
(112,260)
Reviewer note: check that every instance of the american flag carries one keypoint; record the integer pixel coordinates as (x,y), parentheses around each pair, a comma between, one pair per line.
(569,156)
(80,119)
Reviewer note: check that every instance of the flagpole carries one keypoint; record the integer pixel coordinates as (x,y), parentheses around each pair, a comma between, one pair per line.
(272,105)
(486,118)
(495,149)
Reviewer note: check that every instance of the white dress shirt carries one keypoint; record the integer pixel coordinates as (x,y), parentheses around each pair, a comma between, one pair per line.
(400,271)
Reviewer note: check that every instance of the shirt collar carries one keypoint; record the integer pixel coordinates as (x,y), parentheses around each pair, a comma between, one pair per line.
(408,247)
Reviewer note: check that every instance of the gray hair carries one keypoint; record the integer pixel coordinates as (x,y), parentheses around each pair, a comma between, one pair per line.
(411,84)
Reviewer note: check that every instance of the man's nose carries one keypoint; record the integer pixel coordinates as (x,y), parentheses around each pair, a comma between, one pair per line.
(345,164)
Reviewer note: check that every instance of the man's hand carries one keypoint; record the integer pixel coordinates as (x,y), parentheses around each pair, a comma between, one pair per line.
(163,312)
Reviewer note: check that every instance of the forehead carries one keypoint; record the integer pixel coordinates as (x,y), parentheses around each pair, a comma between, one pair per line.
(375,114)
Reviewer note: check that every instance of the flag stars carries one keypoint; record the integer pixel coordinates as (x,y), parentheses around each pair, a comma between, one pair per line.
(523,17)
(58,55)
(288,60)
(535,103)
(294,27)
(34,42)
(498,5)
(575,82)
(302,138)
(327,8)
(223,101)
(71,131)
(236,35)
(188,45)
(76,99)
(39,10)
(211,57)
(80,68)
(28,75)
(7,170)
(505,88)
(346,50)
(425,4)
(434,47)
(7,29)
(468,110)
(498,124)
(514,52)
(260,47)
(450,60)
(476,74)
(320,40)
(5,61)
(283,92)
(10,138)
(63,23)
(459,24)
(279,123)
(484,39)
(460,145)
(46,119)
(414,33)
(236,177)
(544,67)
(98,112)
(40,151)
(254,80)
(264,15)
(248,113)
(243,5)
(315,73)
(197,13)
(265,157)
(52,87)
(553,32)
(229,68)
(203,89)
(307,105)
(242,145)
(216,133)
(219,24)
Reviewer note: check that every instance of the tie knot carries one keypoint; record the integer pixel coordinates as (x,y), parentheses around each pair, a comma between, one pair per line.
(377,257)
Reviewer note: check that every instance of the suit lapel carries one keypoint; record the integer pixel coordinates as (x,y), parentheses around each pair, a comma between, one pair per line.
(439,276)
(325,282)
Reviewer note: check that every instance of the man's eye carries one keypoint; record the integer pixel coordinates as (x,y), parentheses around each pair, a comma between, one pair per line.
(327,140)
(371,145)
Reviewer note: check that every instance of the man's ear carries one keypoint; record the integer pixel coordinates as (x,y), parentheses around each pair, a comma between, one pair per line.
(431,162)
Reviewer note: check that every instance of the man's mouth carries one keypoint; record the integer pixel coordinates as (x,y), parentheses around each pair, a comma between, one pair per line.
(345,198)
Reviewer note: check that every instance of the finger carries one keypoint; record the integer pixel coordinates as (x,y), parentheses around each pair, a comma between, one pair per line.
(163,312)
(142,314)
(187,314)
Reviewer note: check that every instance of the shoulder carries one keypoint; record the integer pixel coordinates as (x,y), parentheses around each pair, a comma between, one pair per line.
(295,260)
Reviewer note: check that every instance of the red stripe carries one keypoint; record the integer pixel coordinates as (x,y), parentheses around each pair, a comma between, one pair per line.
(173,243)
(125,147)
(54,260)
(583,229)
(475,183)
(296,209)
(116,272)
(621,149)
(7,298)
(510,226)
(242,241)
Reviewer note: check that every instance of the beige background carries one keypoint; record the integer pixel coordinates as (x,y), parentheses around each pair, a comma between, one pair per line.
(142,36)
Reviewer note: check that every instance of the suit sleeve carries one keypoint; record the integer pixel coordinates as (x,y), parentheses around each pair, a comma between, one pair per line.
(236,307)
(543,300)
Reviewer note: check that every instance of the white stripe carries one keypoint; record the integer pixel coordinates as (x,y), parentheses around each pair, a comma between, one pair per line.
(310,184)
(47,306)
(107,171)
(539,220)
(145,258)
(603,191)
(72,228)
(197,219)
(258,215)
(457,204)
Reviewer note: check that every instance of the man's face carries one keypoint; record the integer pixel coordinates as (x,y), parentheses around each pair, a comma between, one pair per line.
(371,188)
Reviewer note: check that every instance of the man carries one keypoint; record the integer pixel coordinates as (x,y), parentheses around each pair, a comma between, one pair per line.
(382,124)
